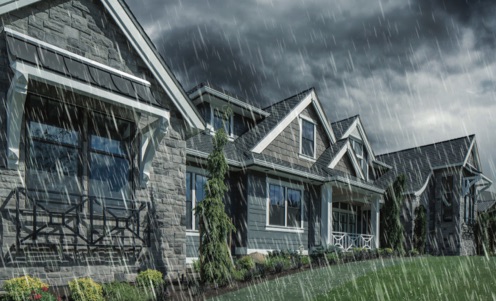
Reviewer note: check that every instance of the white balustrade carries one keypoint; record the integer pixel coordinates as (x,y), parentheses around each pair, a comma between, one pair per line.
(348,241)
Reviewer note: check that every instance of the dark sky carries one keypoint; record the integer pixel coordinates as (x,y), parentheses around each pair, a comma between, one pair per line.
(417,71)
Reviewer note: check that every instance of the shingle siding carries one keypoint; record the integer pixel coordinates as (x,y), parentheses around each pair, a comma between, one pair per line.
(345,165)
(286,146)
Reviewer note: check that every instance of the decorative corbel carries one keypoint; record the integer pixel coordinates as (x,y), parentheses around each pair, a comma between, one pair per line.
(152,135)
(16,98)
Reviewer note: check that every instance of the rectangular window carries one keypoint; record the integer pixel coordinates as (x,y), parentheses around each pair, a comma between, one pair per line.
(447,198)
(361,155)
(285,206)
(195,193)
(307,138)
(221,120)
(56,159)
(344,218)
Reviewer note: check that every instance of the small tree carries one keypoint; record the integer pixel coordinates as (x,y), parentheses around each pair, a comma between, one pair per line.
(420,229)
(391,226)
(215,260)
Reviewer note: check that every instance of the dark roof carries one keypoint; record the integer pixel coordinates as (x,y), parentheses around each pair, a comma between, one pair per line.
(487,201)
(277,113)
(203,142)
(341,126)
(417,163)
(77,68)
(330,153)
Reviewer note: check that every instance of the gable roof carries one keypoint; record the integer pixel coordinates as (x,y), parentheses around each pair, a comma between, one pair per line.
(341,126)
(417,163)
(137,37)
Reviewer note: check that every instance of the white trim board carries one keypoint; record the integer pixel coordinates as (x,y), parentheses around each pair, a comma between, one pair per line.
(145,50)
(311,98)
(347,149)
(358,125)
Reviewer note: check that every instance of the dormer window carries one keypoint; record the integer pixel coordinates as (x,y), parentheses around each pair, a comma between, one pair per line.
(222,120)
(307,138)
(361,155)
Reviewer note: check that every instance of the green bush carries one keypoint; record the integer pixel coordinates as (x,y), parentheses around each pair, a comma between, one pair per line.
(196,266)
(332,258)
(239,275)
(121,291)
(305,260)
(21,288)
(150,279)
(246,263)
(278,264)
(85,289)
(414,252)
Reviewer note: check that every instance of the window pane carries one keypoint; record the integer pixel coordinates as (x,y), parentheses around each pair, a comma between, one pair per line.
(221,121)
(277,206)
(53,160)
(110,135)
(307,147)
(200,193)
(335,221)
(294,208)
(189,203)
(109,176)
(308,130)
(358,148)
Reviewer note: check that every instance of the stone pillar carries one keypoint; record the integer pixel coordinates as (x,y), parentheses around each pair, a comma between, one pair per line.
(375,216)
(326,212)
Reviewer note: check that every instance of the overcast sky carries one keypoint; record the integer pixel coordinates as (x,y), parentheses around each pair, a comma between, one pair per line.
(417,71)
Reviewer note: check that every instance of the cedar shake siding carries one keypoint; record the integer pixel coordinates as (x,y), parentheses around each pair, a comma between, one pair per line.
(286,146)
(345,165)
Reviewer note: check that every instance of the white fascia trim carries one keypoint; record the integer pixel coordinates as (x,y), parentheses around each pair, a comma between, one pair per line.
(67,83)
(300,123)
(347,149)
(350,129)
(227,98)
(382,164)
(154,63)
(358,125)
(469,152)
(287,170)
(338,157)
(192,233)
(325,123)
(76,56)
(269,137)
(473,146)
(11,5)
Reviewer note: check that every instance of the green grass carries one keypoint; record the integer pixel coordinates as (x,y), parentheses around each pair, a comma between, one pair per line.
(308,284)
(422,278)
(429,278)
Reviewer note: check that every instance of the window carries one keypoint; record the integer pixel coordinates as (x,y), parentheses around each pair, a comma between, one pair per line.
(285,206)
(344,218)
(307,140)
(469,216)
(56,158)
(361,155)
(447,198)
(221,120)
(195,193)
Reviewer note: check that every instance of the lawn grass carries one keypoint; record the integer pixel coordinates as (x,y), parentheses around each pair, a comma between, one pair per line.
(427,278)
(308,284)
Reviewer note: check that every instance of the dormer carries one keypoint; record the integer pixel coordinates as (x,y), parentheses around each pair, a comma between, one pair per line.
(221,109)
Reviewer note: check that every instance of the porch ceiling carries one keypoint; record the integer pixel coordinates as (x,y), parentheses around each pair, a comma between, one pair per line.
(347,193)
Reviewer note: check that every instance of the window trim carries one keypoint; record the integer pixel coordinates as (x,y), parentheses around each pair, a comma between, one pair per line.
(285,185)
(301,119)
(194,171)
(211,123)
(361,158)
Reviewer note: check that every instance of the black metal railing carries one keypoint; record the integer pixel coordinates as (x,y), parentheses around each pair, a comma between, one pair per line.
(79,220)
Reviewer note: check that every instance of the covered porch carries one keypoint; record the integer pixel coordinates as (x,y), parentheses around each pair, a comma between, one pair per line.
(350,216)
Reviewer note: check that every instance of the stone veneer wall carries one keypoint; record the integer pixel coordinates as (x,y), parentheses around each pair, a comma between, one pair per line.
(84,28)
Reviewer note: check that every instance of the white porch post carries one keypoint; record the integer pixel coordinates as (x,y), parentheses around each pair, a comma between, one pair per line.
(16,98)
(375,215)
(326,214)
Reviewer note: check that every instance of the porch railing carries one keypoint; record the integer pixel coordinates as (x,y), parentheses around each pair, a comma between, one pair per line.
(79,220)
(348,241)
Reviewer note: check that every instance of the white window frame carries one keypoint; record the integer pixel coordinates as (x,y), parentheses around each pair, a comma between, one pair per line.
(230,135)
(285,185)
(360,158)
(194,171)
(310,120)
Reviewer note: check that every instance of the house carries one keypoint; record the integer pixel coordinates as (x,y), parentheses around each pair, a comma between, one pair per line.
(296,180)
(446,179)
(94,128)
(487,203)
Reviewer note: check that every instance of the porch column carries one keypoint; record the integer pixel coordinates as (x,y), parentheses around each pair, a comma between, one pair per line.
(326,214)
(374,212)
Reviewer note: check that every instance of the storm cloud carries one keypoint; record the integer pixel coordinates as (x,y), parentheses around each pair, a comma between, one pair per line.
(416,71)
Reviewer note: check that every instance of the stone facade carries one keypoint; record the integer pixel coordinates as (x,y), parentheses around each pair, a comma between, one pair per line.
(84,28)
